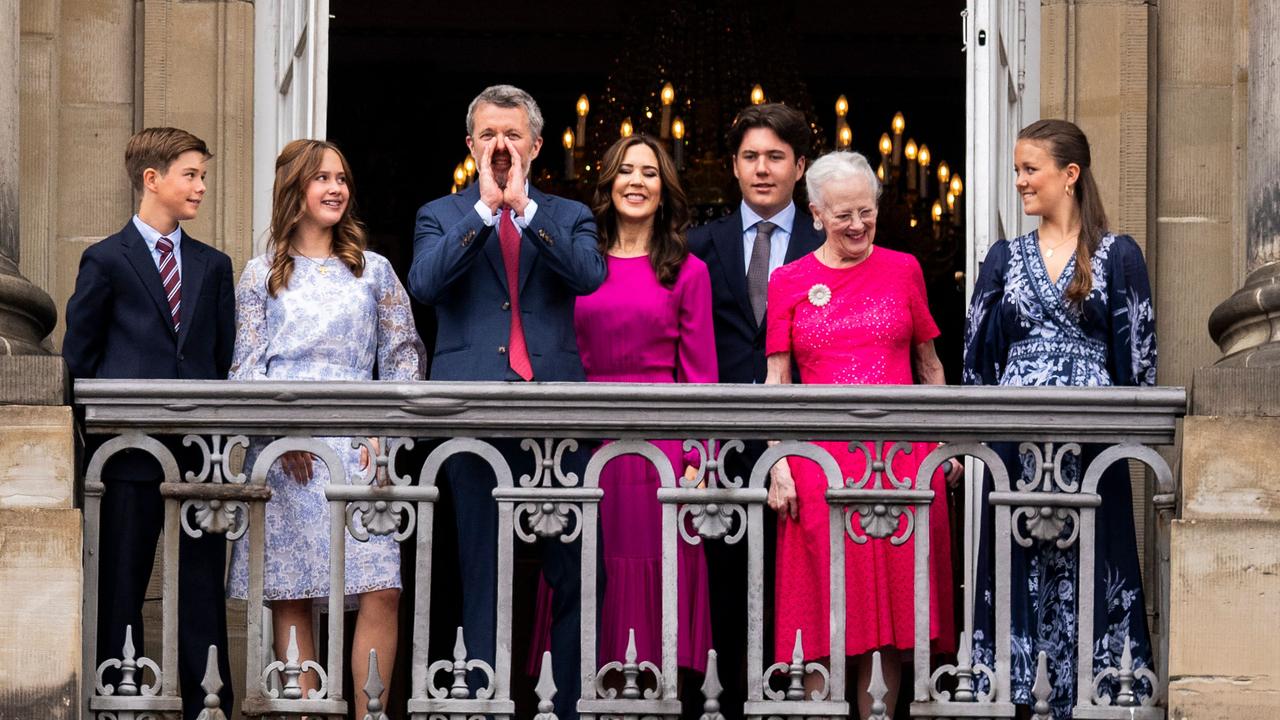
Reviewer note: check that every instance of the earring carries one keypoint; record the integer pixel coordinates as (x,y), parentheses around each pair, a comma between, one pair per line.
(817,224)
(1071,191)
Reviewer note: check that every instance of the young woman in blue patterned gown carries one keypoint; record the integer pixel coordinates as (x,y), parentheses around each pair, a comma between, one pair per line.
(318,306)
(1068,304)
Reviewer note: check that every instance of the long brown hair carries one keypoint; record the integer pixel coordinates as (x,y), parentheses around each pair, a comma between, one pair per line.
(667,247)
(297,165)
(1067,144)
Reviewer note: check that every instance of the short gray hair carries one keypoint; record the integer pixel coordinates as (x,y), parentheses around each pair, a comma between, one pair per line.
(835,167)
(506,96)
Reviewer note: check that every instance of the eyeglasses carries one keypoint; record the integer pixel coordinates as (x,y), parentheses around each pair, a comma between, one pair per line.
(841,221)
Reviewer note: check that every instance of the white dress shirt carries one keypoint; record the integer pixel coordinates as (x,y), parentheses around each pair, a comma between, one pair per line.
(152,235)
(778,241)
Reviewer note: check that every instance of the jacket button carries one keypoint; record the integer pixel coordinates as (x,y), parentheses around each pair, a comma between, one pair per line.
(506,306)
(502,349)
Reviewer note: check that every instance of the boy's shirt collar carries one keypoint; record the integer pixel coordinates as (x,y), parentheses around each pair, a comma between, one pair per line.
(151,235)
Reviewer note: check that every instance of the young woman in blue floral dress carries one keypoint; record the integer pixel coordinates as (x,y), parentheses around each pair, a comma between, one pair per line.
(1067,304)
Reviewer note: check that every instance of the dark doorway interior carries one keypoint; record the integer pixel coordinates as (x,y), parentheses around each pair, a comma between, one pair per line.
(401,73)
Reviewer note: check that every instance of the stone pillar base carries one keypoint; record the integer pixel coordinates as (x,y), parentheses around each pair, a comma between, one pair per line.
(27,313)
(1246,326)
(1224,567)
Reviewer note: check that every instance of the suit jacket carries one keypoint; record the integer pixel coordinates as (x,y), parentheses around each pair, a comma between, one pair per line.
(119,326)
(458,269)
(739,339)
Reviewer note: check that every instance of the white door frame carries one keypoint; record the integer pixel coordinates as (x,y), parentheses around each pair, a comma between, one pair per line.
(290,90)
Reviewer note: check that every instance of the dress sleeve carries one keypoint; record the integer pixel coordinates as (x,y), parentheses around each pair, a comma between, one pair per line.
(401,354)
(780,312)
(984,344)
(249,358)
(695,343)
(1133,324)
(923,328)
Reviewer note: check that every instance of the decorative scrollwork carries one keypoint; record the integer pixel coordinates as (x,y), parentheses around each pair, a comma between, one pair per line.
(382,461)
(548,519)
(291,670)
(711,464)
(131,667)
(220,517)
(548,463)
(712,521)
(964,671)
(879,465)
(459,667)
(380,517)
(796,671)
(1045,523)
(131,715)
(630,671)
(1048,468)
(1125,676)
(880,520)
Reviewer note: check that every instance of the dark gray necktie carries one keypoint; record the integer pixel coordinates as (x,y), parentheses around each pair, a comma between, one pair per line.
(758,269)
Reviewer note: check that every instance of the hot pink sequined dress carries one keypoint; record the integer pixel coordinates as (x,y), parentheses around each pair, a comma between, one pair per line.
(862,334)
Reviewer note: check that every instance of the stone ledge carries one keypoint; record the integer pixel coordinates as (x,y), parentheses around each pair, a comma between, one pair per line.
(34,380)
(37,449)
(1236,391)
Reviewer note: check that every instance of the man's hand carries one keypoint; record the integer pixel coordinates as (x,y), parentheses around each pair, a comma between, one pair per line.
(490,191)
(513,195)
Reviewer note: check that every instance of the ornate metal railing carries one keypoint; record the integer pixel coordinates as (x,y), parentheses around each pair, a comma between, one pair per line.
(216,417)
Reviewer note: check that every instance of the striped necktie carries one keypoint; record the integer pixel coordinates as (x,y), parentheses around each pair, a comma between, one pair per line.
(171,279)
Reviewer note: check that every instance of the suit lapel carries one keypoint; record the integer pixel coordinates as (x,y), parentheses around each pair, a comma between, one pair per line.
(727,239)
(465,202)
(139,257)
(529,251)
(193,269)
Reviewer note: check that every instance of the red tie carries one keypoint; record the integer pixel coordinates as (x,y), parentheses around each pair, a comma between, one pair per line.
(171,280)
(517,352)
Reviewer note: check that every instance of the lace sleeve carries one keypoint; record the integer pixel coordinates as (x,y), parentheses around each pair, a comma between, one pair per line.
(401,354)
(248,360)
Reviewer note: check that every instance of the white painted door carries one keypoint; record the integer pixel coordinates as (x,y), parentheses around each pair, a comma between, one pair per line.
(291,89)
(1002,95)
(1002,47)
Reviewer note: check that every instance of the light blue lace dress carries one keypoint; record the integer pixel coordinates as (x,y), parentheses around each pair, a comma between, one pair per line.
(327,325)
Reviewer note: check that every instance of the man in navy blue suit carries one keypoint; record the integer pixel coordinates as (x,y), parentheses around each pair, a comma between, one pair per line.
(769,143)
(153,302)
(501,264)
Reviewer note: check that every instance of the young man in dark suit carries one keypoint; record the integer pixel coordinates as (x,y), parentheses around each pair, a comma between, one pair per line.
(502,264)
(153,302)
(770,143)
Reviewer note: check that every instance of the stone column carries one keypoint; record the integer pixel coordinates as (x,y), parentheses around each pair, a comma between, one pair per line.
(1247,325)
(27,314)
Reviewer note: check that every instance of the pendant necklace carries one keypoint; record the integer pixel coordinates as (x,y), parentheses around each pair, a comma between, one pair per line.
(321,265)
(1048,252)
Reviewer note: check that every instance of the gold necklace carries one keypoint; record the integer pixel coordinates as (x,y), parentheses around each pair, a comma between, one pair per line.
(321,265)
(1048,252)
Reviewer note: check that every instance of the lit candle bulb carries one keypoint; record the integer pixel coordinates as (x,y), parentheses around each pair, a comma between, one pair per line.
(460,175)
(911,151)
(924,159)
(899,124)
(944,178)
(677,147)
(886,147)
(470,166)
(583,107)
(844,138)
(627,127)
(957,185)
(936,213)
(880,172)
(957,188)
(668,97)
(570,172)
(757,95)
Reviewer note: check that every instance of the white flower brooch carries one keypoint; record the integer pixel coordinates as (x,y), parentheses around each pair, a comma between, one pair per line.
(819,295)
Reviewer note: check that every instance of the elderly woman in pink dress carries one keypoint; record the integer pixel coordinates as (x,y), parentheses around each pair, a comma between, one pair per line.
(853,313)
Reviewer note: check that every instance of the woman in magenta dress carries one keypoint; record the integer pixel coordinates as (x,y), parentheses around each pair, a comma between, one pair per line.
(649,322)
(853,313)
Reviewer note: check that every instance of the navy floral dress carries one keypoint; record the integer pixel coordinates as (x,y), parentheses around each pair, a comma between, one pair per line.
(1022,331)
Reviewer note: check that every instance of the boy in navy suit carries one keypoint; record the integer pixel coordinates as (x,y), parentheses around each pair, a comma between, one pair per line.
(153,302)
